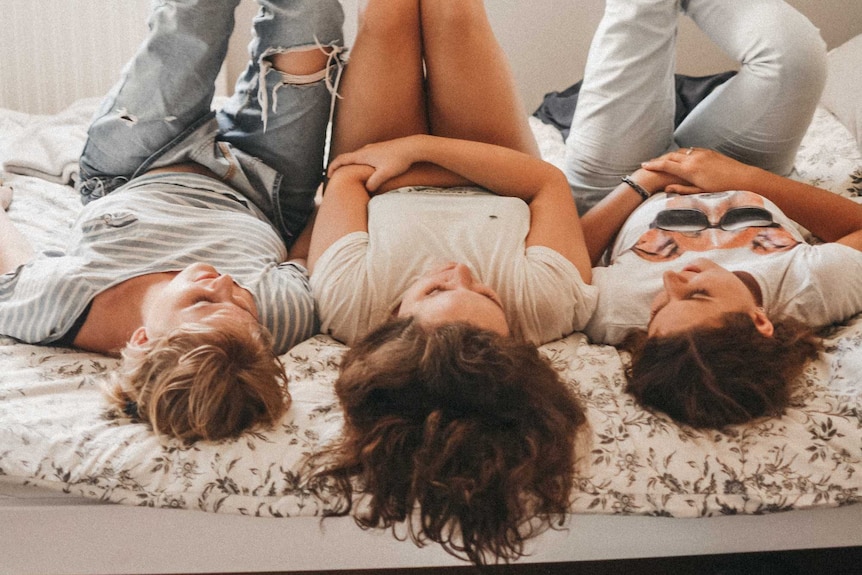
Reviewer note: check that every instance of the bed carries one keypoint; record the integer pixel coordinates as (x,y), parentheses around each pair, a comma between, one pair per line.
(82,492)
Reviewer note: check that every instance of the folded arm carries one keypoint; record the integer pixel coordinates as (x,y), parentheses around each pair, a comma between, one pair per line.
(604,220)
(344,210)
(554,221)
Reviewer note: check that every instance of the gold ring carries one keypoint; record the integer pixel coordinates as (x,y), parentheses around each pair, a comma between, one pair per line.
(689,151)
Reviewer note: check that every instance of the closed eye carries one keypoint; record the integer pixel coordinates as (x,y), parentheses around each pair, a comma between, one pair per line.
(697,292)
(489,293)
(480,289)
(693,294)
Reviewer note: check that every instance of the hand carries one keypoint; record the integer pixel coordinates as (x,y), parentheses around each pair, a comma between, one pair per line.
(389,159)
(701,170)
(5,196)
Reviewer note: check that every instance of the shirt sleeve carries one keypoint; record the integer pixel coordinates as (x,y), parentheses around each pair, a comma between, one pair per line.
(340,288)
(554,300)
(819,286)
(286,307)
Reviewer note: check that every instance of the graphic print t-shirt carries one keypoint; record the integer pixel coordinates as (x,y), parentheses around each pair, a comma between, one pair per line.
(812,283)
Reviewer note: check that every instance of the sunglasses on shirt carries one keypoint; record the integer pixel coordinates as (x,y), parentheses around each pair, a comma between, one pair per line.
(694,220)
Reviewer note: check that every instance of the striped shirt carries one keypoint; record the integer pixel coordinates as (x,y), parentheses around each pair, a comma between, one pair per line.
(159,223)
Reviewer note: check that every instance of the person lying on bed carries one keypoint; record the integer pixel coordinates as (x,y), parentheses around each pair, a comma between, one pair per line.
(710,285)
(444,292)
(182,268)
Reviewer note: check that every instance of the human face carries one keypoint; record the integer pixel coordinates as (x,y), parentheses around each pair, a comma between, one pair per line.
(700,295)
(196,294)
(451,294)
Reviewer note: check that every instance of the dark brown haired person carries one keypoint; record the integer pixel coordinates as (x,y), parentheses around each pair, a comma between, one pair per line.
(713,277)
(455,424)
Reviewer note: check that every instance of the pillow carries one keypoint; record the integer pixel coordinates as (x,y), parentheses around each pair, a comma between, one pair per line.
(843,92)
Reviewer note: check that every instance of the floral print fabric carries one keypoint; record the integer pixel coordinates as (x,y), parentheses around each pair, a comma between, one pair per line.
(54,431)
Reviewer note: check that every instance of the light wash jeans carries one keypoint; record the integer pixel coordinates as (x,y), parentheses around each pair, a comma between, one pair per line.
(626,105)
(268,140)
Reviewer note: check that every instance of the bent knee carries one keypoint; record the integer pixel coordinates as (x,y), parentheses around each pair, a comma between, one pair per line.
(795,51)
(389,26)
(457,17)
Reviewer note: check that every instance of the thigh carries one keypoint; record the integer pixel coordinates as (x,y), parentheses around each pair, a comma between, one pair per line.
(279,117)
(165,89)
(472,94)
(626,104)
(382,95)
(761,114)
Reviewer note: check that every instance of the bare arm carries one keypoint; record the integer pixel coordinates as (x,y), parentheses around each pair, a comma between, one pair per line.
(554,221)
(603,221)
(828,216)
(298,251)
(344,210)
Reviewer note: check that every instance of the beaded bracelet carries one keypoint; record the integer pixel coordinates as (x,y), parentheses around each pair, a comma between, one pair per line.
(636,187)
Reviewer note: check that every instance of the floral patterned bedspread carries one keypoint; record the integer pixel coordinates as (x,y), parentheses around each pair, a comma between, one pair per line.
(54,432)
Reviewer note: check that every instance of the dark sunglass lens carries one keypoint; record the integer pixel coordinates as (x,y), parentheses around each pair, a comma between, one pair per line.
(741,218)
(680,220)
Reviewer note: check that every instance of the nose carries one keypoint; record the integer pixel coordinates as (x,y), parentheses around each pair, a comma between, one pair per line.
(221,286)
(674,284)
(461,276)
(201,267)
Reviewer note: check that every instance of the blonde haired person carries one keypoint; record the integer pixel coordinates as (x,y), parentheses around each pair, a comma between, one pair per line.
(179,260)
(202,381)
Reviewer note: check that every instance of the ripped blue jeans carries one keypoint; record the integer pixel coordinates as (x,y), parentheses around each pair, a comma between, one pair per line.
(267,141)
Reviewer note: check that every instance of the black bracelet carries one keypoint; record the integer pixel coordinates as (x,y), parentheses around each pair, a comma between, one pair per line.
(636,187)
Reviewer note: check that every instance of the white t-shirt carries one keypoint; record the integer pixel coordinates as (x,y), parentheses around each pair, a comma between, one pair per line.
(816,284)
(361,278)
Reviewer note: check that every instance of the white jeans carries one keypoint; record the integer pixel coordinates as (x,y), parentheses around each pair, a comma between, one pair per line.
(626,105)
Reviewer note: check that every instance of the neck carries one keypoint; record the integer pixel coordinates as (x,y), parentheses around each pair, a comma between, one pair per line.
(117,312)
(752,285)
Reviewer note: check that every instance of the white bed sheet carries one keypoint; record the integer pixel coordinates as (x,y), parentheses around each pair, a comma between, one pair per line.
(53,433)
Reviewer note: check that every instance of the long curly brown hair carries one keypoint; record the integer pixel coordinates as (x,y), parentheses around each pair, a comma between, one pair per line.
(473,431)
(718,376)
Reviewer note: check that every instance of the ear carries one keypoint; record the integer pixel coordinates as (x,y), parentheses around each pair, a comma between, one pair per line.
(139,337)
(762,322)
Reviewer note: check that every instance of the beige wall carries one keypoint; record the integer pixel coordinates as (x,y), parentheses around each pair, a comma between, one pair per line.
(53,52)
(549,51)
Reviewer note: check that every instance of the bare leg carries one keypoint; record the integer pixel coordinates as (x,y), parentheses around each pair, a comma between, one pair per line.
(383,95)
(15,249)
(301,62)
(471,91)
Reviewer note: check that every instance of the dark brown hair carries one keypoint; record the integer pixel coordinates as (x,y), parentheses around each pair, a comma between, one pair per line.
(718,376)
(203,381)
(475,429)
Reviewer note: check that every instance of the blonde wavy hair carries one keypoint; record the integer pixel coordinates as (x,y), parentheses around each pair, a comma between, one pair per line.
(202,381)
